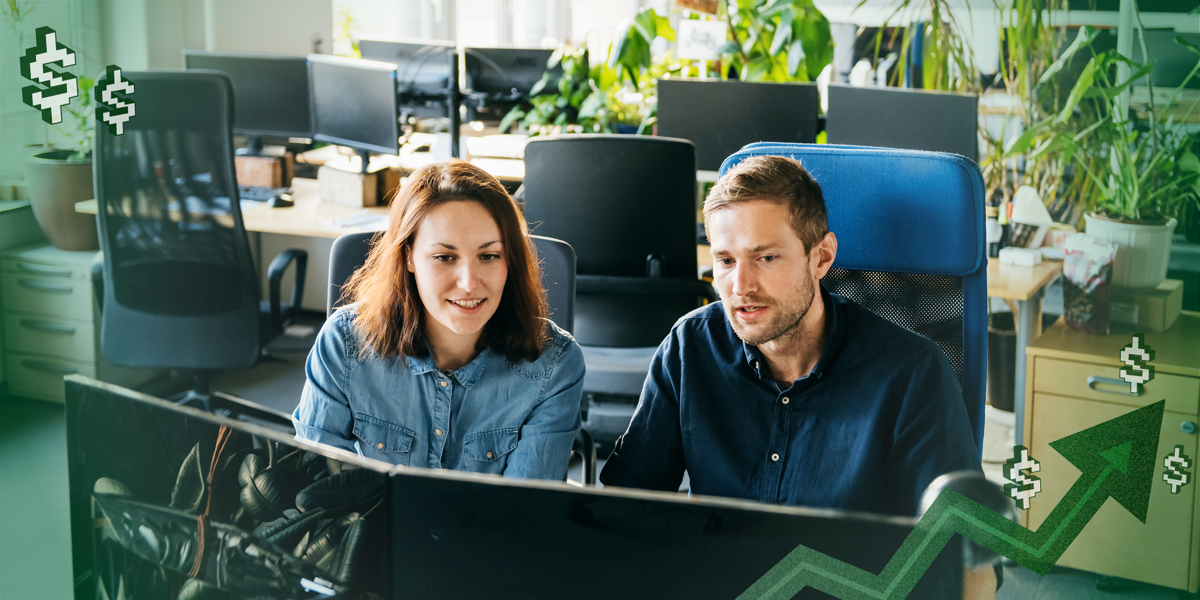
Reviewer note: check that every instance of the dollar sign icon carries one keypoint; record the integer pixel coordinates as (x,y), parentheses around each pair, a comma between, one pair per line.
(60,87)
(1175,463)
(1024,486)
(1135,356)
(113,110)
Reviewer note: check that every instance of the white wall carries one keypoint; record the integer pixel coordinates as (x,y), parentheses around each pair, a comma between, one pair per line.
(275,26)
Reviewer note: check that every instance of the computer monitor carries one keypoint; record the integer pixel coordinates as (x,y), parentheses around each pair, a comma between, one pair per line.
(270,93)
(423,73)
(1172,60)
(135,488)
(354,104)
(904,118)
(720,117)
(500,78)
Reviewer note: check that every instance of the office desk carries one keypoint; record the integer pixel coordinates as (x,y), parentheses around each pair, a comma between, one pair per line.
(310,217)
(1025,285)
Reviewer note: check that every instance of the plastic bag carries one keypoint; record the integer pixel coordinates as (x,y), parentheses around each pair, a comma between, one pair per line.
(1087,269)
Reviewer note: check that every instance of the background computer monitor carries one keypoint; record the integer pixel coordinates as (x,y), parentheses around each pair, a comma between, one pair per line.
(1172,60)
(354,104)
(720,117)
(270,93)
(500,78)
(423,73)
(432,534)
(904,118)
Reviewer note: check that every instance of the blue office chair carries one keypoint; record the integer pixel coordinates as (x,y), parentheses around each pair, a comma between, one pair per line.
(180,286)
(910,245)
(557,260)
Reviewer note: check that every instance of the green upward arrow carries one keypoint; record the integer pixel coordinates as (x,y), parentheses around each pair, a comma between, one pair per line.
(1117,458)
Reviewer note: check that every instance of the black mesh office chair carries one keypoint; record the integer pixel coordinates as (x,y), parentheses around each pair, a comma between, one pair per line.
(557,260)
(627,204)
(180,287)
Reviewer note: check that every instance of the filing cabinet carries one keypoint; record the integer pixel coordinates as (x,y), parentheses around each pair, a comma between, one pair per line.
(1074,384)
(51,326)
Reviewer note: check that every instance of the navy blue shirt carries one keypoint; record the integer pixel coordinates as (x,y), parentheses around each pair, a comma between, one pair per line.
(879,417)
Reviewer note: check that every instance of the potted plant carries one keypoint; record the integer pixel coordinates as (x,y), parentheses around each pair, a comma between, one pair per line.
(58,179)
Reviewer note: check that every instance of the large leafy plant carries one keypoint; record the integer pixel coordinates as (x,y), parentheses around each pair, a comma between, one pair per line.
(776,40)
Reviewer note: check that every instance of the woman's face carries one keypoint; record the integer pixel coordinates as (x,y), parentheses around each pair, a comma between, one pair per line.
(457,257)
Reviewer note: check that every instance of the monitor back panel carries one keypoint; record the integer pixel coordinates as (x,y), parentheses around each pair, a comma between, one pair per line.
(505,71)
(904,118)
(355,103)
(720,117)
(270,93)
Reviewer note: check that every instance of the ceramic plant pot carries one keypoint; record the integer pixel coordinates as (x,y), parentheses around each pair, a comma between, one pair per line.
(55,185)
(1143,249)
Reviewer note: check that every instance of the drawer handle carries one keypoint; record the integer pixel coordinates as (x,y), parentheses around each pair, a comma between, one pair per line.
(1093,380)
(45,287)
(44,270)
(48,367)
(47,326)
(1187,427)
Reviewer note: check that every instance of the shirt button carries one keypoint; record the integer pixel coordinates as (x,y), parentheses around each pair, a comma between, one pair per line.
(489,454)
(785,400)
(775,457)
(756,364)
(438,431)
(444,384)
(379,446)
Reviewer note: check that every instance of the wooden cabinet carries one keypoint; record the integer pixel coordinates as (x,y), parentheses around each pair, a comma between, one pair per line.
(50,324)
(1074,384)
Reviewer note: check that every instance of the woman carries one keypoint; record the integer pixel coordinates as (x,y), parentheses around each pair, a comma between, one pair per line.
(445,358)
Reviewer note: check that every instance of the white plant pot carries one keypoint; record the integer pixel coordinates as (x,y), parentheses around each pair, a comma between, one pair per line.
(1142,250)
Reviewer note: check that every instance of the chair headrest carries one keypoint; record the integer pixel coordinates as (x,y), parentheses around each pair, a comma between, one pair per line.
(900,211)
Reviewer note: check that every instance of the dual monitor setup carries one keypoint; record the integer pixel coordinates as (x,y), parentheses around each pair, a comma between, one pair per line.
(361,103)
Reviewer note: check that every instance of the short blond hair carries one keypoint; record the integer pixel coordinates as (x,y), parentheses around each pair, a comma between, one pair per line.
(774,179)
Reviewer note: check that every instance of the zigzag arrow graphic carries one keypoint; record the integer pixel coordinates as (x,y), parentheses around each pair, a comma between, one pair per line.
(1117,458)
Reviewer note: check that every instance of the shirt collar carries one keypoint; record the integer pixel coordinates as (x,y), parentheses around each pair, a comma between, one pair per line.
(466,375)
(834,330)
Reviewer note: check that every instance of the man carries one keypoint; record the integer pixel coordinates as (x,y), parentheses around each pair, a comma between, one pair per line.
(784,393)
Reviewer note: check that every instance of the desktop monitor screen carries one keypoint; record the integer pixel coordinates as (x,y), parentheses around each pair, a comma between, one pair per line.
(720,117)
(423,73)
(904,118)
(137,468)
(270,93)
(501,77)
(354,103)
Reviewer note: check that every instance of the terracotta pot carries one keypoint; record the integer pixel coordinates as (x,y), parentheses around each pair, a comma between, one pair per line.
(55,185)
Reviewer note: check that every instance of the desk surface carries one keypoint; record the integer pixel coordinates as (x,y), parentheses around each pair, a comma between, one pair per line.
(310,216)
(1175,350)
(1020,283)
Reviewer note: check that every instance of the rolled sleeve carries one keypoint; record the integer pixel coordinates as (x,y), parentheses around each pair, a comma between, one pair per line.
(544,448)
(324,414)
(650,454)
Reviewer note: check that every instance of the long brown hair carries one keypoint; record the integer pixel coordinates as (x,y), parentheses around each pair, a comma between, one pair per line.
(391,317)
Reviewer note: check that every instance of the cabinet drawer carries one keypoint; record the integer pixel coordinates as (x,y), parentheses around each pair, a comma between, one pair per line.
(58,297)
(33,334)
(18,266)
(40,377)
(1101,382)
(1115,542)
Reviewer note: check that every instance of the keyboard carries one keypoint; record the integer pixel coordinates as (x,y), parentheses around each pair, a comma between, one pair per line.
(260,193)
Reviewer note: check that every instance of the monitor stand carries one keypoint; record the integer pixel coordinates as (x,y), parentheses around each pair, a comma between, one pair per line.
(364,159)
(254,146)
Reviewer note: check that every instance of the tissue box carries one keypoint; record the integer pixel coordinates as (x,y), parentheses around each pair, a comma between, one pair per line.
(1022,257)
(1154,309)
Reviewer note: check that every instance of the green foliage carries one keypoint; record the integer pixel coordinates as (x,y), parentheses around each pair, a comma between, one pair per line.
(776,40)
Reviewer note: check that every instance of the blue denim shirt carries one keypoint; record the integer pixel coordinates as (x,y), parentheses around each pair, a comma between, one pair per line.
(878,418)
(490,416)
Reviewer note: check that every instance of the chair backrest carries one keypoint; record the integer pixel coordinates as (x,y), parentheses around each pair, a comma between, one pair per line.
(618,200)
(910,236)
(556,257)
(180,286)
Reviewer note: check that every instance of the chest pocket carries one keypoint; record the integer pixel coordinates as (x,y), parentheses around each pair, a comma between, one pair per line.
(382,440)
(487,451)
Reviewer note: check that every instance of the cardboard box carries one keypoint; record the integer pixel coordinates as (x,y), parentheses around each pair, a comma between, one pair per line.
(1153,309)
(354,189)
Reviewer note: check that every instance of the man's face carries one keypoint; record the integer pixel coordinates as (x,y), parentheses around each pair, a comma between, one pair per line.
(765,278)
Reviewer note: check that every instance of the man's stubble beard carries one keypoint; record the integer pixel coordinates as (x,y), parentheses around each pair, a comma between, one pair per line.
(791,314)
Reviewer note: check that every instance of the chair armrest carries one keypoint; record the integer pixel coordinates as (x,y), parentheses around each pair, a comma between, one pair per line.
(275,279)
(585,447)
(98,280)
(644,286)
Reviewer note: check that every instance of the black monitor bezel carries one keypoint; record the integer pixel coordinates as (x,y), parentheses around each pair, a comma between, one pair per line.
(356,63)
(258,56)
